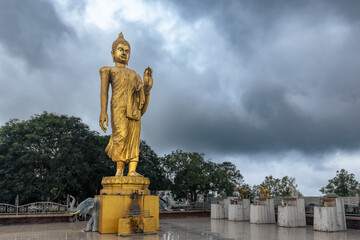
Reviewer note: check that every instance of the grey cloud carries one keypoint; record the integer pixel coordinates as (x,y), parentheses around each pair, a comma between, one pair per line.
(30,29)
(322,71)
(281,127)
(77,6)
(218,110)
(283,78)
(241,22)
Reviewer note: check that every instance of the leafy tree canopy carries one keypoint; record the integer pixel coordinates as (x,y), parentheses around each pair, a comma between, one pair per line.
(151,167)
(190,175)
(49,156)
(343,184)
(278,187)
(226,178)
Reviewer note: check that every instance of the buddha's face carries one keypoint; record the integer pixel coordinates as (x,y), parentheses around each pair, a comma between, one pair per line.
(122,53)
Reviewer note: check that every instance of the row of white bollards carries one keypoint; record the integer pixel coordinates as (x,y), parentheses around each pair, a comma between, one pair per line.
(329,218)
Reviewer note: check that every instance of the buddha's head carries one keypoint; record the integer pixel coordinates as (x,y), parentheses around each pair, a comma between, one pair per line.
(121,50)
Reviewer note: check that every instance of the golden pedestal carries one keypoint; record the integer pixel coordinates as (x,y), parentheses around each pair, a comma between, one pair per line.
(125,185)
(115,199)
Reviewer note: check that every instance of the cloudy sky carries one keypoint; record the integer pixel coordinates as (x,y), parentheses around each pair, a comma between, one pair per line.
(272,86)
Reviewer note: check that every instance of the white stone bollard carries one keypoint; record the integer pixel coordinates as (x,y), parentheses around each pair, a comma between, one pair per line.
(263,213)
(240,212)
(217,211)
(226,208)
(293,214)
(330,218)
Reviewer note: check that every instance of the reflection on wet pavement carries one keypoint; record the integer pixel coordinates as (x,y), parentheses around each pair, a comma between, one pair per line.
(175,229)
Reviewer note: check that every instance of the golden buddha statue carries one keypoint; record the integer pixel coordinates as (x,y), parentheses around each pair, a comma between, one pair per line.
(129,100)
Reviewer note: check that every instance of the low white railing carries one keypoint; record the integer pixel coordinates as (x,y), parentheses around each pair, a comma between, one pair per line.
(33,208)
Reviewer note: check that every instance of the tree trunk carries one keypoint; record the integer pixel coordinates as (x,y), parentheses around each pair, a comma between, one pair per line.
(193,196)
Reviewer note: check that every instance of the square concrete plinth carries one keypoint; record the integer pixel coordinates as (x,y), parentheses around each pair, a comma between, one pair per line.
(293,214)
(240,212)
(331,218)
(217,211)
(263,213)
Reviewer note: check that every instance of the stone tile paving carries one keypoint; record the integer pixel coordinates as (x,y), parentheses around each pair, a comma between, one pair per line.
(176,229)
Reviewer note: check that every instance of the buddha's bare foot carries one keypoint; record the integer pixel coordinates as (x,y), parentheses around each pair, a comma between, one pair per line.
(134,174)
(119,173)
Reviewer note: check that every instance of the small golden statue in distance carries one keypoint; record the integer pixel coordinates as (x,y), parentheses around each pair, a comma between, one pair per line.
(265,193)
(129,100)
(242,193)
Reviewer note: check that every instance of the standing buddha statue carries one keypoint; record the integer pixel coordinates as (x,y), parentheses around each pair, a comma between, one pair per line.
(129,101)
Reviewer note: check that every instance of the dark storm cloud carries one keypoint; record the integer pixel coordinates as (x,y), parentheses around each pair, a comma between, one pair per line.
(320,68)
(37,72)
(258,76)
(66,78)
(282,127)
(29,29)
(243,21)
(270,82)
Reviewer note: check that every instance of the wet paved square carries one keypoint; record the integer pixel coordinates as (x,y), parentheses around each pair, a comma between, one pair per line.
(174,229)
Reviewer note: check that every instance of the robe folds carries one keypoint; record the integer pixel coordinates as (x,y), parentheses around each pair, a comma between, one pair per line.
(127,100)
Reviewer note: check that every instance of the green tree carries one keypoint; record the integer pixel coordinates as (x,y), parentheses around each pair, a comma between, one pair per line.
(278,187)
(151,167)
(190,175)
(49,156)
(226,178)
(343,184)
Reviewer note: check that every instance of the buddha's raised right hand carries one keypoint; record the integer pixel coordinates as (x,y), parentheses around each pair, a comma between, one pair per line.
(148,79)
(103,118)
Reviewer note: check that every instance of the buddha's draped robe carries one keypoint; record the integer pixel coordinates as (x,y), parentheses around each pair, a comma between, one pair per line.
(127,101)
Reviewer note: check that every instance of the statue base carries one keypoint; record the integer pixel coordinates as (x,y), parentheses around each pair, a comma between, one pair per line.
(125,185)
(115,200)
